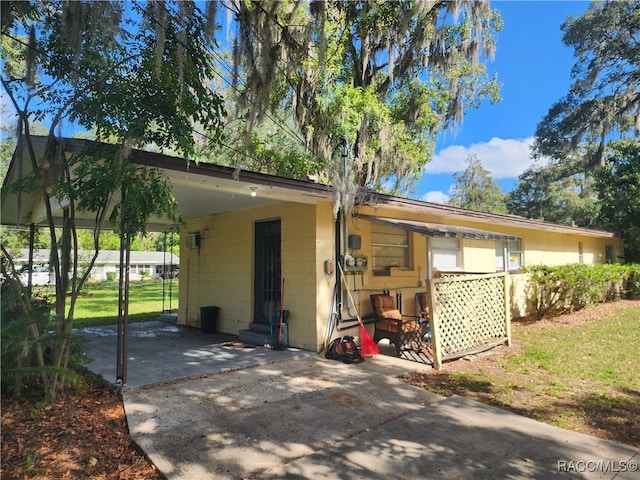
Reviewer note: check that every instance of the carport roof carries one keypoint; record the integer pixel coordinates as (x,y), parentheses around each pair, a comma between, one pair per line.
(203,189)
(200,189)
(441,230)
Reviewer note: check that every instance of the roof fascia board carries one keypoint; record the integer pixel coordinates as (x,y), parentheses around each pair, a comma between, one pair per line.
(507,220)
(140,157)
(160,160)
(324,192)
(442,230)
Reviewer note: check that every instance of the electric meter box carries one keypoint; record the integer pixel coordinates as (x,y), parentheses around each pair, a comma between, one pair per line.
(355,263)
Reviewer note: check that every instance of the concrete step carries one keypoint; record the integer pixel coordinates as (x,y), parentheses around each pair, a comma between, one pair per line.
(253,337)
(168,317)
(262,334)
(260,327)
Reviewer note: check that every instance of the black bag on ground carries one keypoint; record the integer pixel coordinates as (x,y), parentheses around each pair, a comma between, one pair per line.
(345,350)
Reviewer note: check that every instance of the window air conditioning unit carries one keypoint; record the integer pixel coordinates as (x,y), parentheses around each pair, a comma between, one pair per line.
(192,241)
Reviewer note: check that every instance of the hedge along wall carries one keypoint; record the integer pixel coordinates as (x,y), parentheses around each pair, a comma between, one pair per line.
(567,288)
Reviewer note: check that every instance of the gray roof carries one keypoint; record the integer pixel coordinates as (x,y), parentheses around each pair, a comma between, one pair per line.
(105,257)
(441,230)
(203,189)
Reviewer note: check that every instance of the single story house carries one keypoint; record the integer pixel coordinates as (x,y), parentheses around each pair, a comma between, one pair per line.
(252,241)
(142,264)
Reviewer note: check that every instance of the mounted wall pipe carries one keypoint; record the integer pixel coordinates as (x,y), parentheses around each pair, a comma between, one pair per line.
(123,300)
(338,289)
(171,273)
(32,236)
(342,213)
(164,267)
(345,174)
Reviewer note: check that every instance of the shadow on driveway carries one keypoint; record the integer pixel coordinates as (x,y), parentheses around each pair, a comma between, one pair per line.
(161,352)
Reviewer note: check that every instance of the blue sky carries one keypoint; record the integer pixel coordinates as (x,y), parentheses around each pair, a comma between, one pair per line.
(533,66)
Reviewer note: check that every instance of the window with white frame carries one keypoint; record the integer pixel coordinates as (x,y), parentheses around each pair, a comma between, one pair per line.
(512,253)
(500,256)
(136,268)
(445,253)
(580,252)
(390,247)
(608,253)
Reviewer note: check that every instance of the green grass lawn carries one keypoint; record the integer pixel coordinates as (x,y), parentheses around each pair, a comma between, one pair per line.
(98,303)
(577,371)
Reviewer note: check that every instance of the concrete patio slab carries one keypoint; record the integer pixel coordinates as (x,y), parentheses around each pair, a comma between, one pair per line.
(203,410)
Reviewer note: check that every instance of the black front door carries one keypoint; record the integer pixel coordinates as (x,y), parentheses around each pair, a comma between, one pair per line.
(267,272)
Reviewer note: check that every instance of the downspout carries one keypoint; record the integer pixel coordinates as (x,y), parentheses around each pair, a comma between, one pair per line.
(338,289)
(345,225)
(170,272)
(164,268)
(123,297)
(429,261)
(341,240)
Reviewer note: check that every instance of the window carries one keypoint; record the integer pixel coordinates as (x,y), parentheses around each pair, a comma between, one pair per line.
(445,253)
(500,256)
(390,247)
(608,252)
(513,254)
(580,253)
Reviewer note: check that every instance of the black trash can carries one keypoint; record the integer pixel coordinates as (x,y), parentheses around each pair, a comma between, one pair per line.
(209,319)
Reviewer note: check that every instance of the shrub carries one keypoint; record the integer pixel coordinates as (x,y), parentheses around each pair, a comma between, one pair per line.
(567,288)
(633,280)
(26,335)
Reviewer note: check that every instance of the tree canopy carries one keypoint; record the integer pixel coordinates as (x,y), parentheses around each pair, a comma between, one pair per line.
(476,189)
(386,77)
(138,74)
(604,99)
(602,105)
(618,185)
(555,194)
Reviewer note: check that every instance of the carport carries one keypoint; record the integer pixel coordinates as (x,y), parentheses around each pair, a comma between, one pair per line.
(225,189)
(161,352)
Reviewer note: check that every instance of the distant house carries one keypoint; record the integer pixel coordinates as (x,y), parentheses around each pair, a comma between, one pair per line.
(251,241)
(147,264)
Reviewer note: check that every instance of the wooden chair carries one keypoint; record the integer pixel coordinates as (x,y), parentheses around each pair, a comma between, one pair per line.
(401,330)
(423,312)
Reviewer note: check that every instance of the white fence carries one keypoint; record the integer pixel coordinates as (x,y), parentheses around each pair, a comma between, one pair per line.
(469,313)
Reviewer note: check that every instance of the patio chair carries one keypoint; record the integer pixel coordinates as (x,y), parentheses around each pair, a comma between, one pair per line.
(423,311)
(401,330)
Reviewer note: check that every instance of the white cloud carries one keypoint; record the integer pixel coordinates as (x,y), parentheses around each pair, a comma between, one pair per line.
(503,158)
(435,196)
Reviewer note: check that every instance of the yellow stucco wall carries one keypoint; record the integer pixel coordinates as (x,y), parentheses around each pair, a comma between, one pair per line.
(220,272)
(477,256)
(554,248)
(407,282)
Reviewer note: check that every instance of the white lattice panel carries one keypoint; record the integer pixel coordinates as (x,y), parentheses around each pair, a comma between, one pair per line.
(469,311)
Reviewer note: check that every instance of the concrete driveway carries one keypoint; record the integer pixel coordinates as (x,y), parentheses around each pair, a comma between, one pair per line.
(296,415)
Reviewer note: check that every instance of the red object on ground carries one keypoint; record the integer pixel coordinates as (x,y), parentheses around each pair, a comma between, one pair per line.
(368,347)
